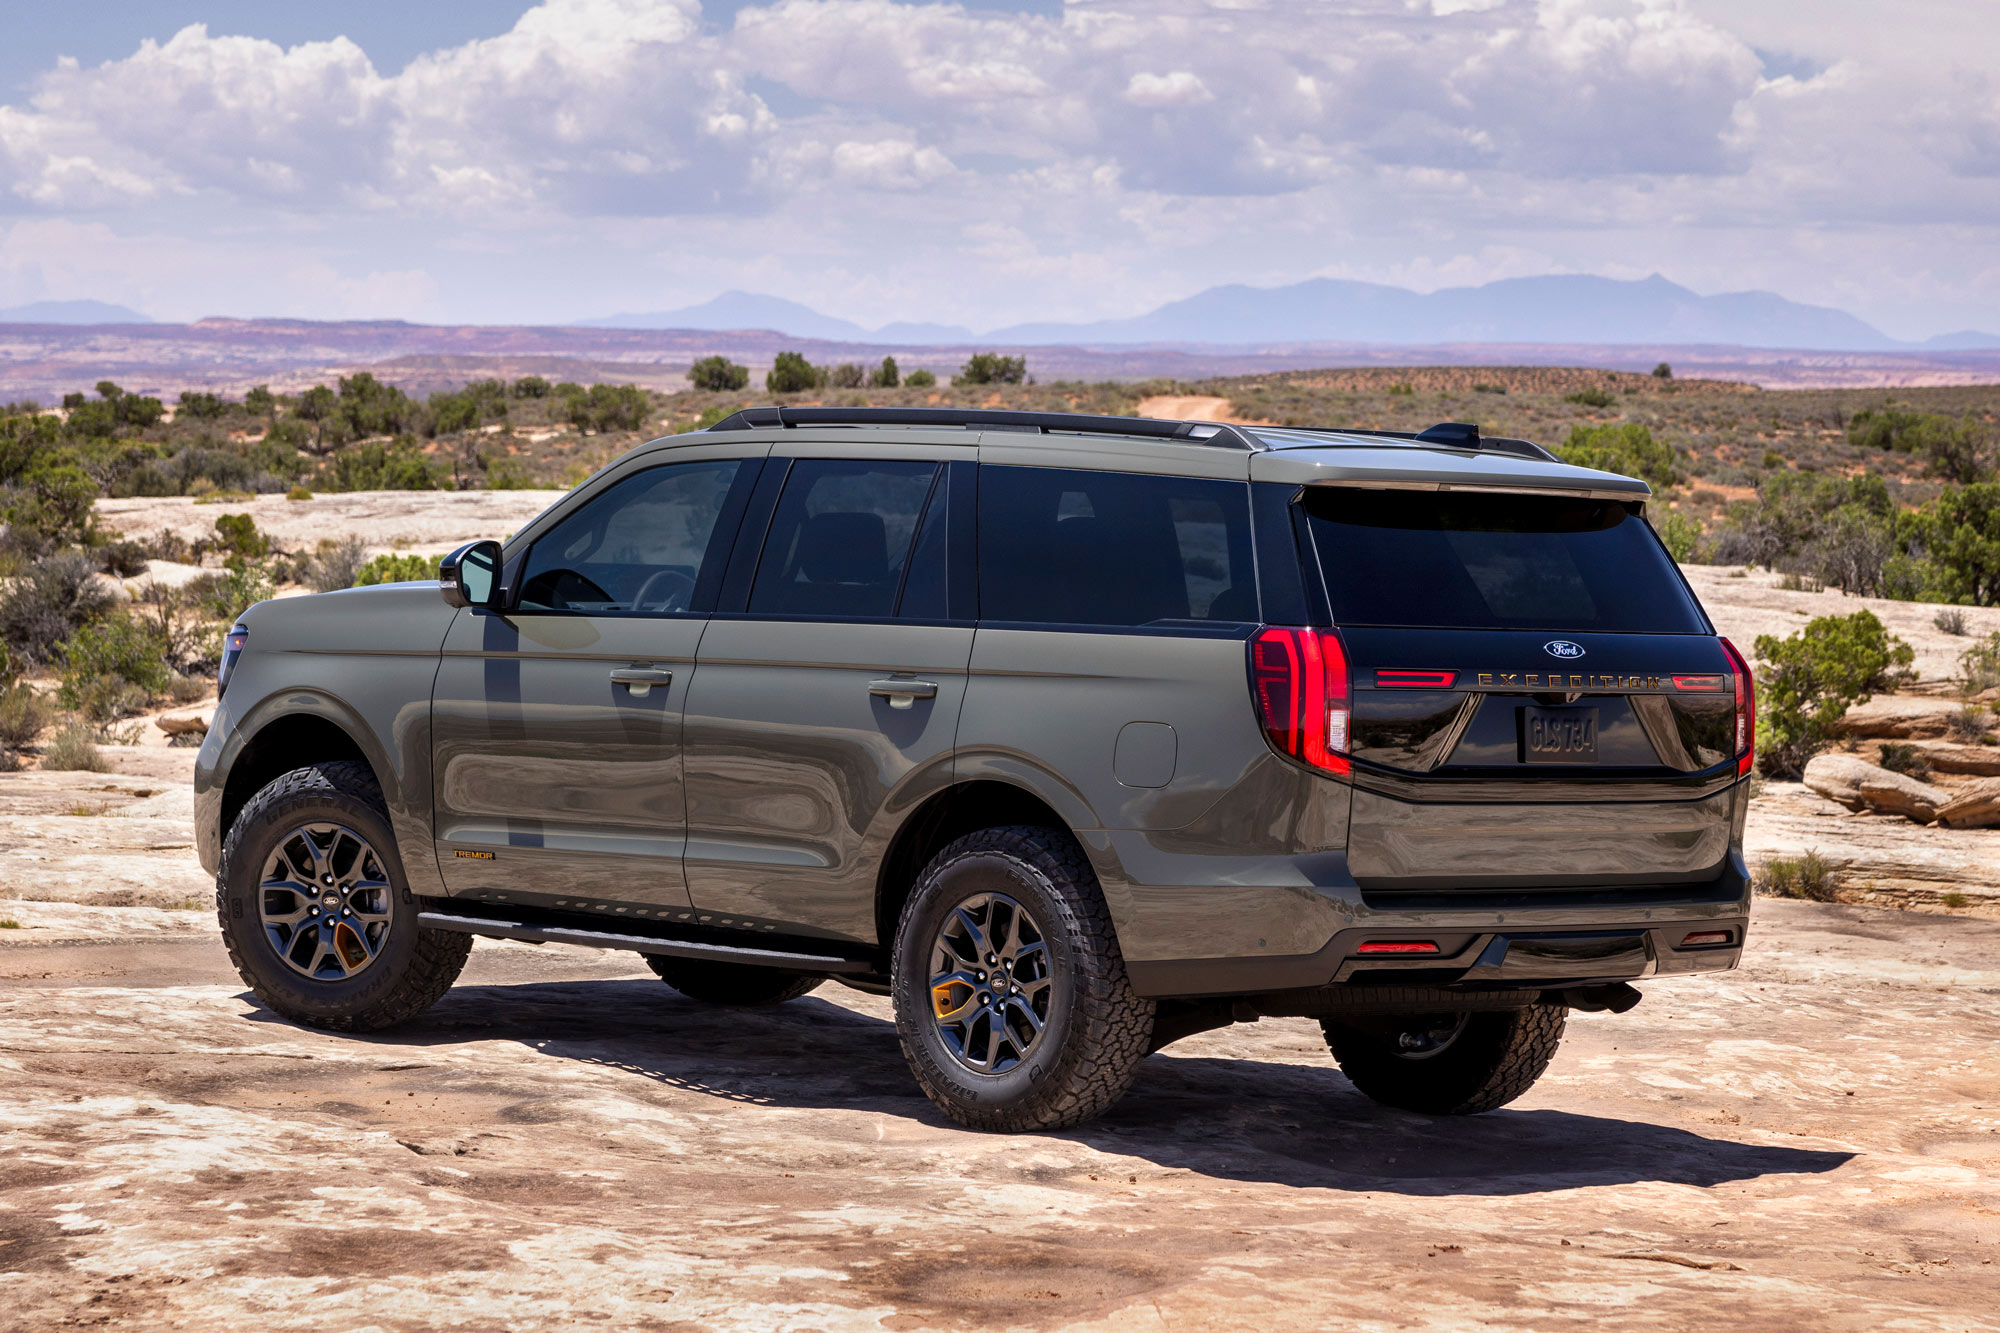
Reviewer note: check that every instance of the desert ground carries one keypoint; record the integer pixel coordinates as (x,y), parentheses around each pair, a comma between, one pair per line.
(1811,1141)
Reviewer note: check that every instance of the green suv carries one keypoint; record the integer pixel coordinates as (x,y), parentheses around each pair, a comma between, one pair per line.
(1073,735)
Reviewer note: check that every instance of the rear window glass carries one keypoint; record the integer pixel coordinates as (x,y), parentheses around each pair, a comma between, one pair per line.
(1069,547)
(1464,561)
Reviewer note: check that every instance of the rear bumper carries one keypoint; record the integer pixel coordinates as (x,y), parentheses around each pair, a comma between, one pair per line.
(1514,940)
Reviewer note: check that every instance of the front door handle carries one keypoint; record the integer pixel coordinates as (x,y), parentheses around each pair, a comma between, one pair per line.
(640,680)
(903,693)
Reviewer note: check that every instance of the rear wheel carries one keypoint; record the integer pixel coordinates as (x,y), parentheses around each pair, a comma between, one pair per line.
(1011,998)
(316,912)
(1448,1063)
(731,983)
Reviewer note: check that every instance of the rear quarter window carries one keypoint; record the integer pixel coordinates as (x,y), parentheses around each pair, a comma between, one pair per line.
(1420,559)
(1059,546)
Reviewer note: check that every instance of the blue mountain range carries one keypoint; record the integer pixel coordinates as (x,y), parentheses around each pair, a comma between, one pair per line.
(1553,309)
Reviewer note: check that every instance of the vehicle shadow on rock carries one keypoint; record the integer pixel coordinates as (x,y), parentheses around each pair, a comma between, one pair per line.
(1252,1120)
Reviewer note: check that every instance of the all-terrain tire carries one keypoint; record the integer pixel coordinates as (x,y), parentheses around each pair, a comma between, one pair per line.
(414,967)
(1096,1030)
(1493,1058)
(737,984)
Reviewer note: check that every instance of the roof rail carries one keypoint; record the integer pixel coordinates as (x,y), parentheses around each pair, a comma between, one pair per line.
(1449,435)
(1188,432)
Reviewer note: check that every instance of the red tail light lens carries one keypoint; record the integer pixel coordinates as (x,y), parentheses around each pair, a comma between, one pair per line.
(1298,678)
(1398,946)
(1746,710)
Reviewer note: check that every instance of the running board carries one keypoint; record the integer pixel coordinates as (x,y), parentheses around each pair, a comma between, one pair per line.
(606,939)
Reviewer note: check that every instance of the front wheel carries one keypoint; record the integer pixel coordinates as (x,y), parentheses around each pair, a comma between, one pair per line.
(1447,1063)
(316,912)
(1011,998)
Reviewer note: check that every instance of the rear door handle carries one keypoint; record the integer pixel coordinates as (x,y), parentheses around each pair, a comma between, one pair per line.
(640,680)
(903,693)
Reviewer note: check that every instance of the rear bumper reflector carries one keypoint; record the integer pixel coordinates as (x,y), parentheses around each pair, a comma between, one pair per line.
(1397,946)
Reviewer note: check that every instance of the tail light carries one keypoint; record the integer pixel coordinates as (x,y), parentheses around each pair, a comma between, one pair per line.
(1746,710)
(1298,678)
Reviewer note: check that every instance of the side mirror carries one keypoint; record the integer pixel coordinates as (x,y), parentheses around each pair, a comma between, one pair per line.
(470,576)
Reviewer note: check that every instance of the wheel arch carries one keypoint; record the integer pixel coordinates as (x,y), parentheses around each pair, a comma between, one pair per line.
(946,815)
(282,741)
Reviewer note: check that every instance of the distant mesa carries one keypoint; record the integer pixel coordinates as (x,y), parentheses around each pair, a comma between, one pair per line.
(1559,308)
(749,310)
(71,312)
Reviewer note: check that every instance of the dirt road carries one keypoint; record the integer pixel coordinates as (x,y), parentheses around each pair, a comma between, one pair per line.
(1814,1141)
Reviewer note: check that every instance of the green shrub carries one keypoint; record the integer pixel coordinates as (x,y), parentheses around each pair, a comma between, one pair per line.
(123,558)
(992,368)
(111,666)
(51,506)
(846,375)
(229,594)
(23,715)
(792,373)
(920,379)
(1810,876)
(1678,533)
(397,466)
(397,569)
(1979,665)
(48,602)
(1402,389)
(1959,537)
(604,407)
(1905,759)
(1592,398)
(237,534)
(74,750)
(1810,680)
(300,492)
(1625,447)
(886,375)
(718,374)
(506,474)
(530,386)
(1969,724)
(1663,371)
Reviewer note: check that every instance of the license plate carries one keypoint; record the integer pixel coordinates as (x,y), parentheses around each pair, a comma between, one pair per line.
(1559,735)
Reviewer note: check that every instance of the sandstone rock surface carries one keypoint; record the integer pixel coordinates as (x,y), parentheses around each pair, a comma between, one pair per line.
(1860,785)
(1975,805)
(1899,717)
(196,725)
(564,1142)
(1950,757)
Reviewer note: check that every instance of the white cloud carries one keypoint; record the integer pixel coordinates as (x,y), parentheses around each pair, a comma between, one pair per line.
(1180,88)
(1129,150)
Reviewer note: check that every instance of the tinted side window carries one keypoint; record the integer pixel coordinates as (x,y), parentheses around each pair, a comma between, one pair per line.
(637,547)
(924,586)
(840,538)
(1111,548)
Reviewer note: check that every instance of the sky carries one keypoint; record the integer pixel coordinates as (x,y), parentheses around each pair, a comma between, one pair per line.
(993,162)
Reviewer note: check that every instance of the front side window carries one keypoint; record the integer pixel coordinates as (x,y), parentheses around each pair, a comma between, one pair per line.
(636,548)
(1065,547)
(840,540)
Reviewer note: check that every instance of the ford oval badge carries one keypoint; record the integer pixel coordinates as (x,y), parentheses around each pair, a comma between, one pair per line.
(1563,648)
